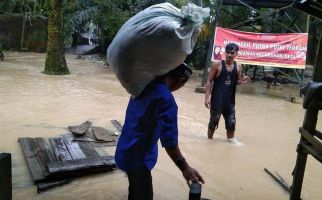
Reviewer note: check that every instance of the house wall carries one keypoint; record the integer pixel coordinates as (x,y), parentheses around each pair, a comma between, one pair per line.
(35,35)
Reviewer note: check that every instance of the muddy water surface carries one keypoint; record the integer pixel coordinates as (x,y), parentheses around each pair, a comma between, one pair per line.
(36,105)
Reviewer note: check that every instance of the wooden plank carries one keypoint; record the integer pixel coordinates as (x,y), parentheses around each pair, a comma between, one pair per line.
(318,134)
(29,150)
(91,139)
(312,140)
(36,160)
(88,150)
(72,168)
(5,176)
(279,181)
(60,153)
(42,187)
(86,139)
(117,125)
(60,150)
(80,129)
(103,144)
(95,143)
(101,152)
(68,137)
(309,124)
(75,150)
(44,154)
(308,149)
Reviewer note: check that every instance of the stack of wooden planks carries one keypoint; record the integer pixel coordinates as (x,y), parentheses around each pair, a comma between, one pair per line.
(56,161)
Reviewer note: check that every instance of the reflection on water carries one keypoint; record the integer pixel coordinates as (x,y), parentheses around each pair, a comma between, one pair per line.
(33,104)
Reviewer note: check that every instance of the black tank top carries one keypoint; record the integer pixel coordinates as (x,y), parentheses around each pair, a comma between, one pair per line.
(224,87)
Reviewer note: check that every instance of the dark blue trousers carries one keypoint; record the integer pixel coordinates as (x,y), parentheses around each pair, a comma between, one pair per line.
(140,185)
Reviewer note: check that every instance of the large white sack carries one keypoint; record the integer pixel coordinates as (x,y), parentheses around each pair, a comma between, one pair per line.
(153,42)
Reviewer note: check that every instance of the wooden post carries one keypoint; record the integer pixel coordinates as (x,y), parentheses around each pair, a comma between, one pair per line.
(5,176)
(309,124)
(317,76)
(211,43)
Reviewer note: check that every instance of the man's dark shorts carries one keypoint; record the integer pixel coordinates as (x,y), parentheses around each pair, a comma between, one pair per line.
(229,115)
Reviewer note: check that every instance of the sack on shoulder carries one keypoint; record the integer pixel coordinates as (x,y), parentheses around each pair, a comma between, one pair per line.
(153,42)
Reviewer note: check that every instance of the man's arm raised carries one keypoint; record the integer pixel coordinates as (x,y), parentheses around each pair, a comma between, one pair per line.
(241,79)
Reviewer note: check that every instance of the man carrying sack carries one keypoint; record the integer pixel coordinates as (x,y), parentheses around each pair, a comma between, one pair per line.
(147,56)
(149,117)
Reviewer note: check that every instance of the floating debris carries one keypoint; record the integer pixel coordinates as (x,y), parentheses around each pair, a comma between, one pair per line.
(68,156)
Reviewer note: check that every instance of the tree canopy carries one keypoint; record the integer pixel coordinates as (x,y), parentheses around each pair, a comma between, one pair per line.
(110,15)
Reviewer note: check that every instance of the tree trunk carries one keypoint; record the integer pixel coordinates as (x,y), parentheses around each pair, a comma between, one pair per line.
(55,59)
(24,18)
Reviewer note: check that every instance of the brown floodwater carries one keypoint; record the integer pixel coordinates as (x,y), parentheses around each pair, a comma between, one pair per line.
(36,105)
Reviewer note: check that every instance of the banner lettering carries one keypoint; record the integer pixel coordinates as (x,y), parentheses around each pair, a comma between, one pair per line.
(286,50)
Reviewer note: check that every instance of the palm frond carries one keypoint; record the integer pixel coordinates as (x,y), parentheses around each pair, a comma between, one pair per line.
(206,32)
(81,16)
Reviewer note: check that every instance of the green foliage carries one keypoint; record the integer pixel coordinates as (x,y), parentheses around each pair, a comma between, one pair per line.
(112,15)
(34,7)
(108,15)
(178,3)
(6,6)
(197,59)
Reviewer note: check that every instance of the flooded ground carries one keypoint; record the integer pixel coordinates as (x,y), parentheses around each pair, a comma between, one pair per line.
(33,104)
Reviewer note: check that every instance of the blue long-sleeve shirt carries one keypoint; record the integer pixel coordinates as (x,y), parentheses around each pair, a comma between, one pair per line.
(149,117)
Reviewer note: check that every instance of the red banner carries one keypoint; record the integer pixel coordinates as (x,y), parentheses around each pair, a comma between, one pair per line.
(286,50)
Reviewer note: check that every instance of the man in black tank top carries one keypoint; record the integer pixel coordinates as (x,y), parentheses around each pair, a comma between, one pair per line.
(220,92)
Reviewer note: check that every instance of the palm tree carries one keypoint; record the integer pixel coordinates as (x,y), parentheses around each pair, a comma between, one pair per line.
(55,59)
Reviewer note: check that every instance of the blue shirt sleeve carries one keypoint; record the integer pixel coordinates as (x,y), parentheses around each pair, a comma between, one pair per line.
(167,126)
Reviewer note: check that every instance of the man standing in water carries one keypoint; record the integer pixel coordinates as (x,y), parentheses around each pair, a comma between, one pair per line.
(149,117)
(221,83)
